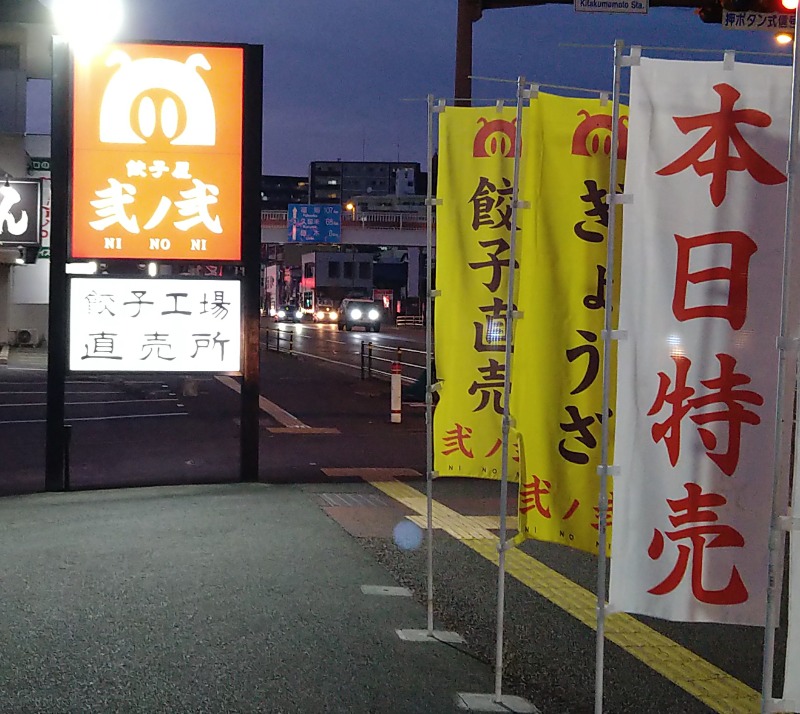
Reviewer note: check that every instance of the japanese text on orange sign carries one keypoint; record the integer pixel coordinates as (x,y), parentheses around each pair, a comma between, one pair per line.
(157,153)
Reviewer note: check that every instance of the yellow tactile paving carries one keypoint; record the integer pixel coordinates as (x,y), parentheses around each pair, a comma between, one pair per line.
(709,684)
(483,522)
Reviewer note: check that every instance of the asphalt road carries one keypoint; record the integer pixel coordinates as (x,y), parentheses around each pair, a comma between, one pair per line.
(359,470)
(325,342)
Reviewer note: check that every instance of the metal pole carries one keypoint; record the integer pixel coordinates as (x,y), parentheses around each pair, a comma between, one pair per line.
(468,12)
(782,421)
(251,258)
(58,314)
(429,362)
(369,360)
(602,562)
(363,371)
(501,571)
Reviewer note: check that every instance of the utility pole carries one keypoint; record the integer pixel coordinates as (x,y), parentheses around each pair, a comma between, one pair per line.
(470,11)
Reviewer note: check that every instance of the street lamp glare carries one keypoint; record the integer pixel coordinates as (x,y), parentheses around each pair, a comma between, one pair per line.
(87,24)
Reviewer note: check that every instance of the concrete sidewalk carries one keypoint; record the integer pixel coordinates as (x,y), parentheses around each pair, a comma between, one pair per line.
(237,598)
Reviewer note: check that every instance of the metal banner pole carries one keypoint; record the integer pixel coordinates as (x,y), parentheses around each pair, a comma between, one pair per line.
(429,360)
(501,572)
(787,364)
(602,561)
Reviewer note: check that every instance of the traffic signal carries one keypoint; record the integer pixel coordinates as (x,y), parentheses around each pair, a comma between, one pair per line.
(710,11)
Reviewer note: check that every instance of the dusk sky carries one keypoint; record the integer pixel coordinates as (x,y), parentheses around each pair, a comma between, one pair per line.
(336,73)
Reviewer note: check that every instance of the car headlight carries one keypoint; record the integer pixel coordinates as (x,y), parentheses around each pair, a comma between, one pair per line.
(281,314)
(373,315)
(320,315)
(299,314)
(355,314)
(272,312)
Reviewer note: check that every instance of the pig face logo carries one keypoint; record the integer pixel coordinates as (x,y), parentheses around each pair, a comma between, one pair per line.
(593,136)
(497,136)
(157,99)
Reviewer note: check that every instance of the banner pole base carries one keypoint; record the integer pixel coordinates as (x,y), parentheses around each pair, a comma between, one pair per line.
(489,703)
(450,638)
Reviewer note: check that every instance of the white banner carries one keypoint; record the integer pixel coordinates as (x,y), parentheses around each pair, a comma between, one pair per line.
(154,325)
(791,682)
(701,280)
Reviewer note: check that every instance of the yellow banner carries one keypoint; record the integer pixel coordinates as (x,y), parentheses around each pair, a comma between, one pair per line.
(473,233)
(557,370)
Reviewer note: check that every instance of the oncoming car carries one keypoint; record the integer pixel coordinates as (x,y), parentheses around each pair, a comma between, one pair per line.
(326,314)
(288,313)
(360,313)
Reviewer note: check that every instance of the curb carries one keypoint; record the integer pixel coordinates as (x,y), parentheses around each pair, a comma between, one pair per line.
(4,352)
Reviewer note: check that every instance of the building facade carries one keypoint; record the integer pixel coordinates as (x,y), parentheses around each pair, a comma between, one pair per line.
(277,192)
(25,41)
(339,181)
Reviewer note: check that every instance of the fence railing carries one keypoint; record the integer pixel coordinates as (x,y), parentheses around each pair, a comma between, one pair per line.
(368,219)
(374,360)
(377,360)
(278,337)
(410,321)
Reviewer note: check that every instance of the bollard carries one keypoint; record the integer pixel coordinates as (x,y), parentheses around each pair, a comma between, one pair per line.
(397,400)
(67,448)
(369,360)
(363,355)
(291,342)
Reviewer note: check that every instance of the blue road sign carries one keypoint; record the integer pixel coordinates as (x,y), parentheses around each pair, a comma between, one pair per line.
(315,223)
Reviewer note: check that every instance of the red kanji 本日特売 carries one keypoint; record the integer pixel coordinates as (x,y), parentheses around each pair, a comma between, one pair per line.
(735,274)
(723,133)
(692,522)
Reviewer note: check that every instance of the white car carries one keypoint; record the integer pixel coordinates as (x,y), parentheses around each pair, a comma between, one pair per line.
(360,313)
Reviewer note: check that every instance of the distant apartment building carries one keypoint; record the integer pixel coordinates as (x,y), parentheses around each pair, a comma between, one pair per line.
(277,192)
(340,181)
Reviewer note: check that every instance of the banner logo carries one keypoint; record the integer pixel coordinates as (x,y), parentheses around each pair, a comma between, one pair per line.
(497,136)
(593,135)
(149,97)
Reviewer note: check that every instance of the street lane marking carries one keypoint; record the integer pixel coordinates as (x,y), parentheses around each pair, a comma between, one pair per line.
(69,420)
(711,685)
(304,430)
(72,404)
(278,414)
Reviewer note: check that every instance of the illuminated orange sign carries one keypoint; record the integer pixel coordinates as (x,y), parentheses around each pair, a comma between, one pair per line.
(157,153)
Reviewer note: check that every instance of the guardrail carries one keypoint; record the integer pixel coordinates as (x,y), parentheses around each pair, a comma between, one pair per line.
(375,360)
(368,219)
(279,336)
(372,354)
(410,321)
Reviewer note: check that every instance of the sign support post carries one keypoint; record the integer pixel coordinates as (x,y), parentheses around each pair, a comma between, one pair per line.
(251,259)
(55,444)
